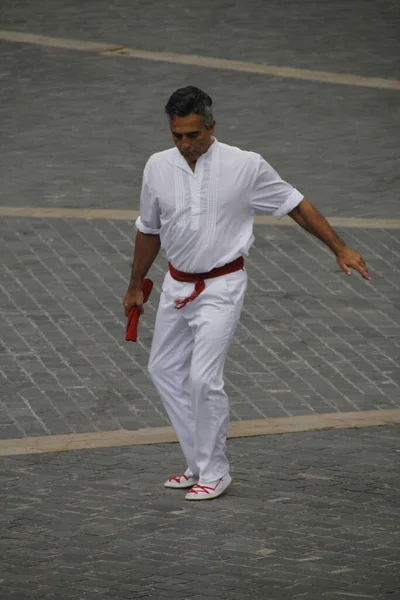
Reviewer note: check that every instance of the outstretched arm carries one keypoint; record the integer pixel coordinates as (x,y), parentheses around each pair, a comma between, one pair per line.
(310,219)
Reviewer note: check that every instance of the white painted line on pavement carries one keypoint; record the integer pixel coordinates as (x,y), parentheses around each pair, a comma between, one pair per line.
(67,213)
(131,215)
(162,435)
(202,61)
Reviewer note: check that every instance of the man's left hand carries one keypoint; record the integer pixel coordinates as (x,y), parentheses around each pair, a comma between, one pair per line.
(348,258)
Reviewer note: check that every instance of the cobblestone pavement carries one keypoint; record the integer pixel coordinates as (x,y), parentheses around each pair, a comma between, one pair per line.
(311,515)
(76,132)
(78,128)
(329,36)
(310,338)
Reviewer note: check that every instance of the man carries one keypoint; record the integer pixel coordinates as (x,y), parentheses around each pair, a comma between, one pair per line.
(197,203)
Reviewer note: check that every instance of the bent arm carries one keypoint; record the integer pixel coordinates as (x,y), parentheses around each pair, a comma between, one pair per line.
(147,247)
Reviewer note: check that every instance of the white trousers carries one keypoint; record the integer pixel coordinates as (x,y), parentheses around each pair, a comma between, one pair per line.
(186,365)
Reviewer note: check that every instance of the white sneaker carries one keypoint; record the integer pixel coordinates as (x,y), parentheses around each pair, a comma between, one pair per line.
(208,491)
(181,481)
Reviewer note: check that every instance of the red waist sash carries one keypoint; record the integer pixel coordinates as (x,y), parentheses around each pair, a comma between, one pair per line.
(198,279)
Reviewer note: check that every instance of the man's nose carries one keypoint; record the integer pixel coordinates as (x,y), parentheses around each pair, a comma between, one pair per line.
(185,144)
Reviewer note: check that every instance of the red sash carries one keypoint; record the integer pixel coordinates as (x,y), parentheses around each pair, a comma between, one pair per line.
(198,278)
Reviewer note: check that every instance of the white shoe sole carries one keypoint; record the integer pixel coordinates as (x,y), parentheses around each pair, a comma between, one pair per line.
(199,497)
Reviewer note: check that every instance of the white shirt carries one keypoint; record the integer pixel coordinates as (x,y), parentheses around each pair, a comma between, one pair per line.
(205,218)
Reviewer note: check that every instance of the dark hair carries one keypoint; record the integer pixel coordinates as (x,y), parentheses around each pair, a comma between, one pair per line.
(188,101)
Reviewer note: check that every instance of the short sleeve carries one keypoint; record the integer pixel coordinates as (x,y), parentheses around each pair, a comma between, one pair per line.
(149,220)
(270,194)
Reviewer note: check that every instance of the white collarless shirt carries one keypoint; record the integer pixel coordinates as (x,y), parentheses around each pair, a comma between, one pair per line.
(205,218)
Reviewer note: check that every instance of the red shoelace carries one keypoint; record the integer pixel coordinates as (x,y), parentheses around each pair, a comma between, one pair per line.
(178,478)
(203,488)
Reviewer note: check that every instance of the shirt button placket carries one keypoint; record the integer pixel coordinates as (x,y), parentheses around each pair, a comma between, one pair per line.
(196,197)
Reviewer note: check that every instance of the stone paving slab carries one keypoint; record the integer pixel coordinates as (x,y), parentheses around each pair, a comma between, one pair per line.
(310,340)
(309,516)
(78,129)
(357,37)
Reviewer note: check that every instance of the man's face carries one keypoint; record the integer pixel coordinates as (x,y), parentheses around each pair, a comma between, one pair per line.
(191,136)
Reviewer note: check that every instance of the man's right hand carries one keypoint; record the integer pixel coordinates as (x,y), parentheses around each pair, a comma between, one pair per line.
(133,298)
